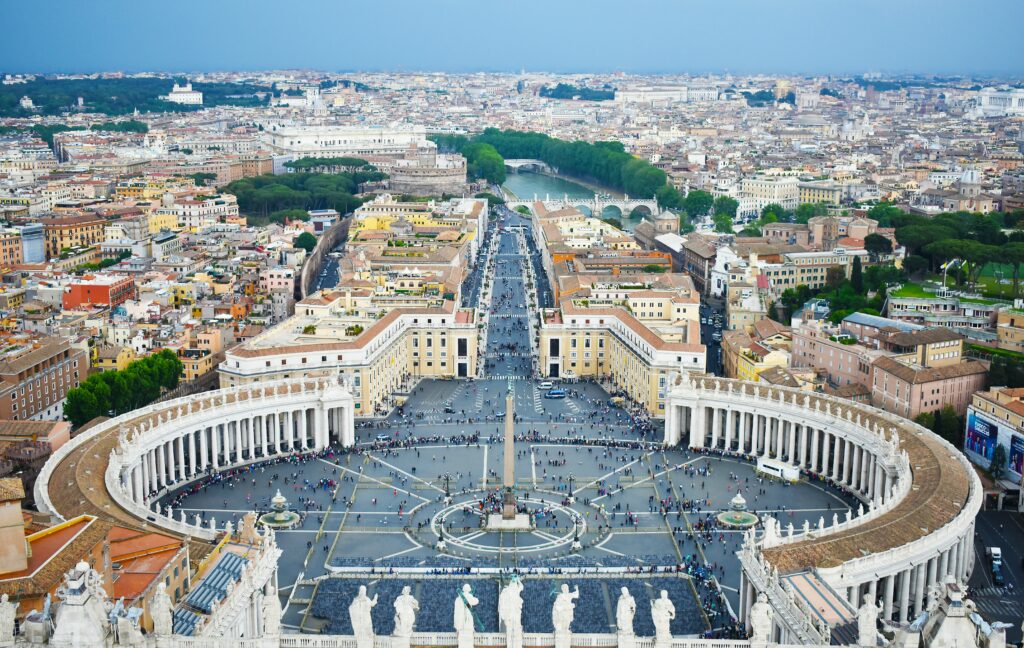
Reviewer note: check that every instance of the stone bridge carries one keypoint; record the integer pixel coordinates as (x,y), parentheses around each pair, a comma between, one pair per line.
(536,166)
(595,205)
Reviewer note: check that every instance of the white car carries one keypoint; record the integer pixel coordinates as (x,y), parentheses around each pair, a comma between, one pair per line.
(547,384)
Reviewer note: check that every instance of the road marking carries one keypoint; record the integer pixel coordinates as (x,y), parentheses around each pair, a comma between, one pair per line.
(483,481)
(373,479)
(397,469)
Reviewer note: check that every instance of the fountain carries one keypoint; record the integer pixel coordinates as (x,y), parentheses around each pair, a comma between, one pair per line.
(737,517)
(279,517)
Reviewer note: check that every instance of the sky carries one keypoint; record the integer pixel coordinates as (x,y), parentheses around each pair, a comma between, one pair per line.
(980,37)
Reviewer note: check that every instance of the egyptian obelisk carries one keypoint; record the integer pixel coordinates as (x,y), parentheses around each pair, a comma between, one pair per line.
(508,506)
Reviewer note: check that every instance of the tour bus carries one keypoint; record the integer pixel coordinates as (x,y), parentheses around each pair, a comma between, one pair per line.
(546,384)
(555,393)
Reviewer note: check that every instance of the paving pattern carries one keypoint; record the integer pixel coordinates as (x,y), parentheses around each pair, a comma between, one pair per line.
(596,472)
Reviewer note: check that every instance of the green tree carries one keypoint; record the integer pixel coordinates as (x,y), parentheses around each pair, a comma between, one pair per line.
(723,223)
(947,425)
(202,179)
(306,241)
(806,211)
(773,213)
(857,275)
(726,205)
(997,467)
(915,264)
(877,245)
(698,203)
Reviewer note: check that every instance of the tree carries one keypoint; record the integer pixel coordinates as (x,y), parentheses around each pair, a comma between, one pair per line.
(202,179)
(306,241)
(915,264)
(886,214)
(726,205)
(698,203)
(834,276)
(857,276)
(947,425)
(997,467)
(877,245)
(723,223)
(773,213)
(806,211)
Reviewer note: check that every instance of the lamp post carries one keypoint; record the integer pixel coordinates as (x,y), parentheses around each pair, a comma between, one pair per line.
(572,497)
(447,477)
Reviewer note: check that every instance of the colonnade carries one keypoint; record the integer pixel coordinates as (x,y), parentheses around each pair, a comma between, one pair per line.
(808,445)
(854,446)
(184,451)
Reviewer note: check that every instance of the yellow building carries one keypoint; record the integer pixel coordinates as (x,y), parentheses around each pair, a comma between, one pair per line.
(331,335)
(750,362)
(163,221)
(1010,329)
(632,336)
(823,192)
(108,358)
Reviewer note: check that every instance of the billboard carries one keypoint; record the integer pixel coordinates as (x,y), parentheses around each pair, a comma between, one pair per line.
(1016,453)
(981,436)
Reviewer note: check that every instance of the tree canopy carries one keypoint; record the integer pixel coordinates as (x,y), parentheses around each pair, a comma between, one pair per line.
(261,196)
(306,241)
(112,393)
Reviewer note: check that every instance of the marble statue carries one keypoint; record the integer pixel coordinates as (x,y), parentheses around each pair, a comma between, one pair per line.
(761,620)
(867,622)
(160,610)
(128,634)
(625,610)
(362,622)
(464,604)
(8,610)
(510,611)
(406,606)
(271,610)
(563,610)
(662,613)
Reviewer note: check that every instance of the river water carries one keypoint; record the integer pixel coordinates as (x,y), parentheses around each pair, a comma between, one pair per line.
(527,185)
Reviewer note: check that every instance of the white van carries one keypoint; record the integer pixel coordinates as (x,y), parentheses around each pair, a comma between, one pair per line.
(547,384)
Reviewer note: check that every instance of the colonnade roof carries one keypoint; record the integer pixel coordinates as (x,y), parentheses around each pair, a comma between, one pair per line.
(939,490)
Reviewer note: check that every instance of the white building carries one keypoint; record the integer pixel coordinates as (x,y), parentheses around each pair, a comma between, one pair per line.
(758,192)
(184,94)
(342,140)
(1001,102)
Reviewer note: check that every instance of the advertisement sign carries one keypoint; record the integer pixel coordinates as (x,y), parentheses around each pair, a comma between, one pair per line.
(981,435)
(1016,453)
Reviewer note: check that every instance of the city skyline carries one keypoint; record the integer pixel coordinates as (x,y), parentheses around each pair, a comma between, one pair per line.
(664,37)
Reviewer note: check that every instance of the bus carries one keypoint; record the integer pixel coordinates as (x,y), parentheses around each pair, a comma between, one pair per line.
(555,393)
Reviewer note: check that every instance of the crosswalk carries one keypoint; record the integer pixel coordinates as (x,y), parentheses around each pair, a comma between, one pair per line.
(996,608)
(505,377)
(538,405)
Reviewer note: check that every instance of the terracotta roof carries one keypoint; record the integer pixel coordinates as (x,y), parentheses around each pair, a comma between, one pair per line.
(923,336)
(54,552)
(11,489)
(919,375)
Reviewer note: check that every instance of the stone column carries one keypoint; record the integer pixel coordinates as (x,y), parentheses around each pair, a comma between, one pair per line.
(180,443)
(905,595)
(890,585)
(251,438)
(192,466)
(161,466)
(825,462)
(814,449)
(803,443)
(203,454)
(276,418)
(944,563)
(933,571)
(237,424)
(792,443)
(303,431)
(137,493)
(716,422)
(921,574)
(215,445)
(730,424)
(847,473)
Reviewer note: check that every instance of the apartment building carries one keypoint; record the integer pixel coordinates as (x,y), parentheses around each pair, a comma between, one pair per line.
(98,290)
(64,232)
(35,376)
(758,192)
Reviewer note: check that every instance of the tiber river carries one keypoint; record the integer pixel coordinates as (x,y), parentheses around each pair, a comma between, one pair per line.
(526,185)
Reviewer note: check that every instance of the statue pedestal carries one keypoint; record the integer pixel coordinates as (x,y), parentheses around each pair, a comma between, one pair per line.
(626,640)
(363,641)
(563,640)
(513,639)
(464,639)
(400,642)
(662,642)
(498,522)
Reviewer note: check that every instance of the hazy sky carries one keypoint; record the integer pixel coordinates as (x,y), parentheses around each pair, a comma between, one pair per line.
(772,36)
